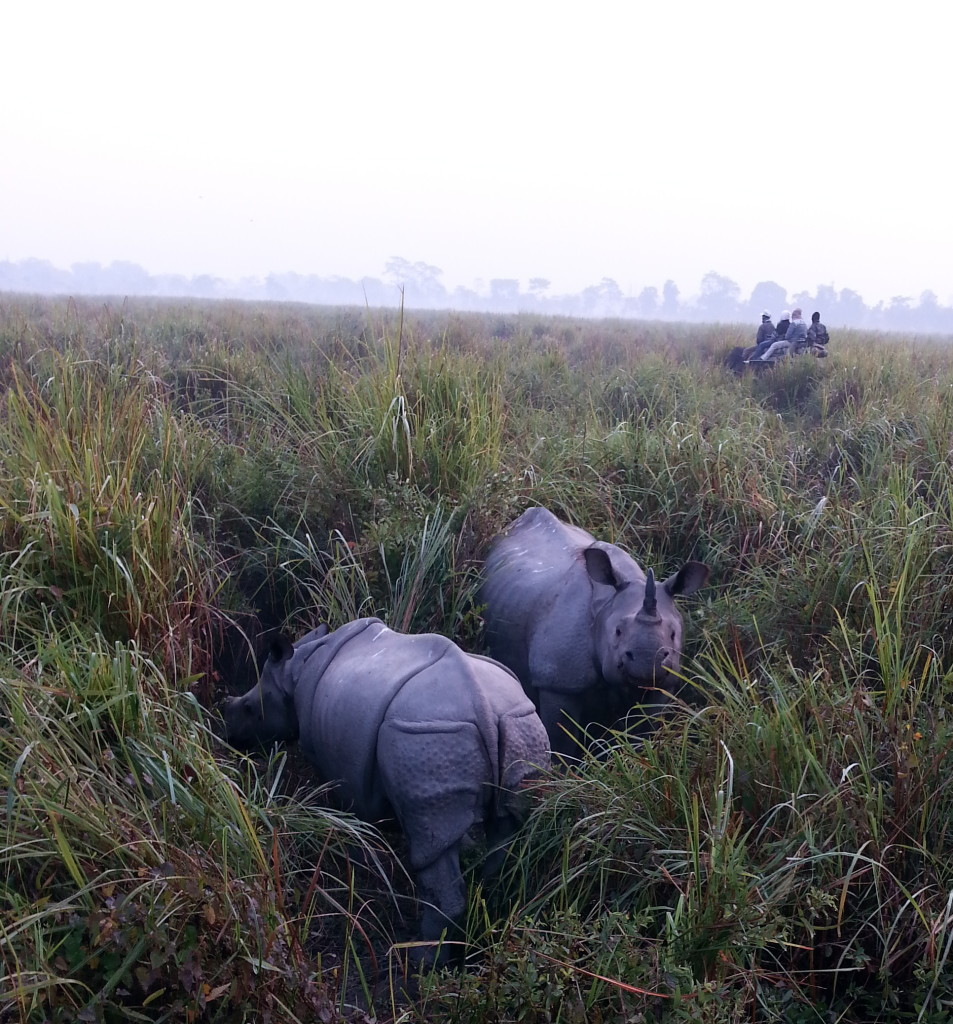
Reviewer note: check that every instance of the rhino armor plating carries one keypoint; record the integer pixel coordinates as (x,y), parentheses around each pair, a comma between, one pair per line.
(410,727)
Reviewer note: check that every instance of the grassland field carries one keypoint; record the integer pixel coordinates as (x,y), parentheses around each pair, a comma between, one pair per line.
(177,477)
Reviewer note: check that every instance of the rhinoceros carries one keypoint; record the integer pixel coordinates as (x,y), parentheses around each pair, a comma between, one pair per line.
(581,624)
(410,727)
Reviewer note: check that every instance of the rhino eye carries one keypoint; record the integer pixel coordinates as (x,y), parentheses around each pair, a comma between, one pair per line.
(618,632)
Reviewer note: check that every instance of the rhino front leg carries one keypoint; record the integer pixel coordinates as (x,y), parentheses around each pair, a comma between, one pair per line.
(499,834)
(560,714)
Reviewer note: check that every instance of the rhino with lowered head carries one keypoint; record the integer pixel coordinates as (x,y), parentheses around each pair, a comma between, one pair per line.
(589,634)
(410,727)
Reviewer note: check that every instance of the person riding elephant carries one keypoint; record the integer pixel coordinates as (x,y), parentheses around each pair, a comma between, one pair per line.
(795,338)
(817,333)
(766,331)
(796,333)
(766,336)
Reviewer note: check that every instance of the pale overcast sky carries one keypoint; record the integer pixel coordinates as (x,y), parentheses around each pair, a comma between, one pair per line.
(804,142)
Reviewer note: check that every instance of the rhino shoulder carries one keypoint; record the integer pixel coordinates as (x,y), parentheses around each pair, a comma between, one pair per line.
(318,650)
(535,518)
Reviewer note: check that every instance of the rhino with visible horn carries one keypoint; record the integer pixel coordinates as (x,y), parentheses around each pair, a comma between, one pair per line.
(589,634)
(410,727)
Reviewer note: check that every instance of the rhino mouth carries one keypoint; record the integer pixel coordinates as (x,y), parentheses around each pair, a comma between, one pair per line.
(244,727)
(660,681)
(634,679)
(647,667)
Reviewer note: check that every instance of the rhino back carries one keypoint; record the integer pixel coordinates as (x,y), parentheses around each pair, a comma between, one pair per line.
(375,675)
(456,743)
(463,688)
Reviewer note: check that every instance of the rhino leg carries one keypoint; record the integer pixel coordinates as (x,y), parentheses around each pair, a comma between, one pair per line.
(642,718)
(561,714)
(499,833)
(443,900)
(437,778)
(524,755)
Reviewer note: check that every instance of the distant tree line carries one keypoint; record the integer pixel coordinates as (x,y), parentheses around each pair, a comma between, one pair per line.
(719,299)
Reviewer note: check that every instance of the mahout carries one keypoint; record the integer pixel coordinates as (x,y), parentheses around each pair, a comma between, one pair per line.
(586,630)
(411,728)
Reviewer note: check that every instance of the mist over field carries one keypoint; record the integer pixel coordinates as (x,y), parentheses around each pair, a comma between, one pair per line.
(651,161)
(420,285)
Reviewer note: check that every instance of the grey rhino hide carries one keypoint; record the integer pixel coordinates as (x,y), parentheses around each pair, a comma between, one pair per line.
(569,615)
(410,727)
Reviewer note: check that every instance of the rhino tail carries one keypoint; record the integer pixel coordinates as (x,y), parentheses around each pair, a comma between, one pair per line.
(523,756)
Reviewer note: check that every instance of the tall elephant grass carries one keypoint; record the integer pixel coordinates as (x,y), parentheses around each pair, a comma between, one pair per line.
(776,851)
(783,849)
(98,521)
(141,876)
(419,587)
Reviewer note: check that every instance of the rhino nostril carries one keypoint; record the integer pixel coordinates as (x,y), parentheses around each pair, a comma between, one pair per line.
(668,659)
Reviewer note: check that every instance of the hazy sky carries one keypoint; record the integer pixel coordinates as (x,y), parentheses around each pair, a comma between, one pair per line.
(803,142)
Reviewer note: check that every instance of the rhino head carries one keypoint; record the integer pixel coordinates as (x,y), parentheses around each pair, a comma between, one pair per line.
(637,627)
(266,713)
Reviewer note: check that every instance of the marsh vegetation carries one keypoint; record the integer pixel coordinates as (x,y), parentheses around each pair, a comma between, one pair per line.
(175,477)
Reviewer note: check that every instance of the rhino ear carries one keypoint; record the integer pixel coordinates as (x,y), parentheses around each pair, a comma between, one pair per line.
(600,568)
(691,577)
(281,648)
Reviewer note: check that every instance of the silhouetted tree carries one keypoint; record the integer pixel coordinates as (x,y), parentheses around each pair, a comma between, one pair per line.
(825,302)
(538,286)
(420,281)
(898,315)
(504,294)
(32,275)
(174,285)
(602,299)
(931,316)
(850,307)
(647,302)
(375,292)
(205,286)
(670,293)
(719,298)
(466,299)
(928,316)
(766,295)
(276,288)
(124,278)
(88,278)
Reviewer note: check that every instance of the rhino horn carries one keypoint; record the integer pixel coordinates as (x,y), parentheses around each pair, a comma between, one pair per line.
(649,603)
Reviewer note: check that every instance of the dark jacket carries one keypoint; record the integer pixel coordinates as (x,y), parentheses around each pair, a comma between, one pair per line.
(782,329)
(765,332)
(817,334)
